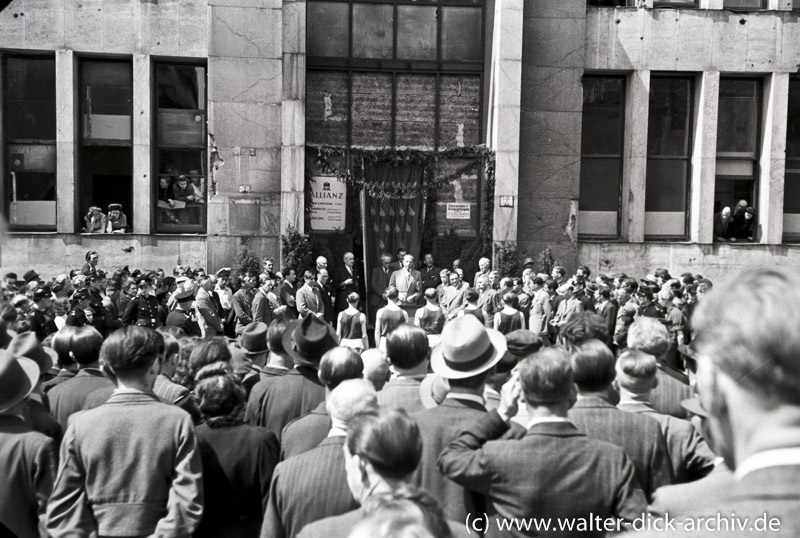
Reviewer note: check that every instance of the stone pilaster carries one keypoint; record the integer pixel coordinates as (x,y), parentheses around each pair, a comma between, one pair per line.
(66,137)
(142,159)
(293,114)
(634,164)
(704,159)
(773,159)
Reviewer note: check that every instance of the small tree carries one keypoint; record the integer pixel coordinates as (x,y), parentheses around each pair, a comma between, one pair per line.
(245,262)
(545,261)
(505,258)
(296,250)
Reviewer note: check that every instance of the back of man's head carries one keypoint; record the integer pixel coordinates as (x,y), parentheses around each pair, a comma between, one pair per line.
(648,335)
(389,440)
(376,367)
(339,364)
(592,366)
(582,327)
(349,399)
(546,377)
(407,346)
(131,350)
(275,336)
(748,328)
(85,345)
(636,371)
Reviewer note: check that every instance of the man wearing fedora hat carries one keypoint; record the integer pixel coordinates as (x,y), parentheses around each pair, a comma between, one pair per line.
(554,471)
(278,364)
(299,391)
(28,459)
(253,344)
(466,357)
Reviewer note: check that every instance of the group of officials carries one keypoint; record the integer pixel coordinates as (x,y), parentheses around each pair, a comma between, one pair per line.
(592,406)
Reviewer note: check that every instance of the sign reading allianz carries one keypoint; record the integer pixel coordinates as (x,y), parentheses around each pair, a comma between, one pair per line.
(328,203)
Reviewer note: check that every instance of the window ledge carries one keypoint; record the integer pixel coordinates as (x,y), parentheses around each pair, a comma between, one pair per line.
(32,232)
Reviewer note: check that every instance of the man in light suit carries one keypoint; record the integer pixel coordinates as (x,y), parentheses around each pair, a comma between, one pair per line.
(541,309)
(205,306)
(554,471)
(308,297)
(408,282)
(486,300)
(453,298)
(347,280)
(313,485)
(594,414)
(378,283)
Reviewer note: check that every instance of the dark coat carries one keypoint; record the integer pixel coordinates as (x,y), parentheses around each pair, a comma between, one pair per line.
(238,462)
(639,436)
(70,396)
(340,274)
(289,397)
(28,466)
(554,471)
(287,294)
(128,495)
(179,319)
(402,392)
(305,433)
(41,324)
(430,277)
(242,306)
(142,311)
(307,488)
(378,283)
(255,400)
(671,390)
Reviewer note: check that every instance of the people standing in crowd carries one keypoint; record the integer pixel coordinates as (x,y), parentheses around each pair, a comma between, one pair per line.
(309,297)
(261,306)
(182,316)
(397,265)
(143,309)
(279,363)
(378,283)
(242,303)
(40,319)
(351,325)
(408,351)
(471,307)
(483,270)
(313,485)
(509,319)
(326,294)
(208,317)
(408,282)
(541,309)
(486,299)
(90,267)
(566,474)
(126,494)
(287,293)
(429,273)
(453,299)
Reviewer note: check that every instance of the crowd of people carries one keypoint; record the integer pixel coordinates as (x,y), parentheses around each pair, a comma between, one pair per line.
(136,403)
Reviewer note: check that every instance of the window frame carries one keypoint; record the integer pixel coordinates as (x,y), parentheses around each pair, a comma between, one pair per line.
(763,7)
(156,148)
(5,141)
(688,158)
(621,156)
(792,238)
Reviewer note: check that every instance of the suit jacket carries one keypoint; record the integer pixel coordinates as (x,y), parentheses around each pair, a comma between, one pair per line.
(554,471)
(478,274)
(673,387)
(105,486)
(430,277)
(286,294)
(289,397)
(307,488)
(408,283)
(41,324)
(438,428)
(402,392)
(638,435)
(486,300)
(179,319)
(772,491)
(681,499)
(541,313)
(238,462)
(28,464)
(242,305)
(255,400)
(690,455)
(340,274)
(305,433)
(309,299)
(609,314)
(261,308)
(208,310)
(70,396)
(452,301)
(377,286)
(341,526)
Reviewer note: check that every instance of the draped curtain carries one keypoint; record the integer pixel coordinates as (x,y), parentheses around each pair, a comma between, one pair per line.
(392,222)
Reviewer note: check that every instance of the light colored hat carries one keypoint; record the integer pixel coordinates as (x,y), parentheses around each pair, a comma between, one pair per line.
(467,349)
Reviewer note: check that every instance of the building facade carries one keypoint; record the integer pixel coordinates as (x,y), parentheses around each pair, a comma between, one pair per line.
(619,131)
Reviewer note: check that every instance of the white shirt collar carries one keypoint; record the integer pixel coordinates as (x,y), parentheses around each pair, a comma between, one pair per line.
(541,420)
(337,432)
(128,390)
(463,396)
(779,457)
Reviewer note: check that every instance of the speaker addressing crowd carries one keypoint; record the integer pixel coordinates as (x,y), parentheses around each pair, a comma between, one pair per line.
(322,403)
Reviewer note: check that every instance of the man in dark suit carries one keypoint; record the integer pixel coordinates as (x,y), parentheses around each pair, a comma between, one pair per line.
(313,485)
(325,292)
(652,337)
(347,280)
(279,363)
(379,282)
(243,303)
(397,265)
(131,495)
(287,293)
(28,459)
(722,223)
(180,317)
(304,433)
(690,455)
(41,322)
(594,414)
(554,471)
(458,359)
(300,390)
(429,273)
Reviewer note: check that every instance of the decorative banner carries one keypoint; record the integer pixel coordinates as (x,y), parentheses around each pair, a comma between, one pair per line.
(458,211)
(328,202)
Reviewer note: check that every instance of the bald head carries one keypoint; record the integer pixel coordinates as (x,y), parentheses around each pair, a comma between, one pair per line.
(351,398)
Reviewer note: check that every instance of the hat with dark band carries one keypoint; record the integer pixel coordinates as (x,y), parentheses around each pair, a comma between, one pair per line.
(467,349)
(306,340)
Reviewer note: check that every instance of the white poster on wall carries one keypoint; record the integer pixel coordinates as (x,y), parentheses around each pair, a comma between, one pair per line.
(458,211)
(328,204)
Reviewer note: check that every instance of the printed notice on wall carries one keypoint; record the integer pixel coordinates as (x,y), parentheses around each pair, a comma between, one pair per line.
(328,202)
(458,211)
